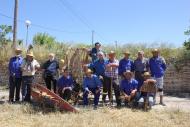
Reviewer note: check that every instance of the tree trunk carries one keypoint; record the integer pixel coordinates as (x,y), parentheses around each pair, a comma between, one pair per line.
(15,24)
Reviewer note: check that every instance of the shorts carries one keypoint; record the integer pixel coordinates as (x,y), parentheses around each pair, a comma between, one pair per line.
(159,82)
(150,99)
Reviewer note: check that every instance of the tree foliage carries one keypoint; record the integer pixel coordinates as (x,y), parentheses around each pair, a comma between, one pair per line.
(187,42)
(4,30)
(43,39)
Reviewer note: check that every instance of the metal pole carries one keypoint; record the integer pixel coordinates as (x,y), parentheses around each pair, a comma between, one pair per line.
(92,38)
(116,45)
(27,35)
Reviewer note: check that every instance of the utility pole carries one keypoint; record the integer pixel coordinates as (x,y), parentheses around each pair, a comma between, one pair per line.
(92,37)
(15,24)
(115,45)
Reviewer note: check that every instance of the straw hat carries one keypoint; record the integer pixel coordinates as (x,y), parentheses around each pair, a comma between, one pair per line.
(128,72)
(146,74)
(127,53)
(111,53)
(18,50)
(30,53)
(88,71)
(155,51)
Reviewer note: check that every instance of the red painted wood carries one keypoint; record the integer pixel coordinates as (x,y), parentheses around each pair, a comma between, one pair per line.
(56,100)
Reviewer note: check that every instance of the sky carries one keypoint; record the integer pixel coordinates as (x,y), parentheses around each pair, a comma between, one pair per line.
(124,21)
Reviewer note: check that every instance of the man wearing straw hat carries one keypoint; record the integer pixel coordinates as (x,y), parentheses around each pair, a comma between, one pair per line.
(157,68)
(147,95)
(91,85)
(128,86)
(99,67)
(111,79)
(125,64)
(29,67)
(15,75)
(51,70)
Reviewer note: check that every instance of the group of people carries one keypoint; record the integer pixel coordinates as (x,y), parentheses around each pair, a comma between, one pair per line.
(104,74)
(125,77)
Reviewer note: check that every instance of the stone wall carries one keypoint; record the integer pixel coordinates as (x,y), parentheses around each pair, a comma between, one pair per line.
(175,81)
(178,80)
(4,73)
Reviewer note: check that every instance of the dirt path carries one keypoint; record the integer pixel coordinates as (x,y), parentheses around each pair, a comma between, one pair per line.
(174,103)
(170,101)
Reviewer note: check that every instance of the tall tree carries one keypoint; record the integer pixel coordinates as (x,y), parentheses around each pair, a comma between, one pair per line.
(187,42)
(43,39)
(15,24)
(4,30)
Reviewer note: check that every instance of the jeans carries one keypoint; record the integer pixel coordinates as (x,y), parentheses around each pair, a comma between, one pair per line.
(96,96)
(107,87)
(49,80)
(139,77)
(27,82)
(14,84)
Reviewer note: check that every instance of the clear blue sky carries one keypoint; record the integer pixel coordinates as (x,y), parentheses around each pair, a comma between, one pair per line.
(122,20)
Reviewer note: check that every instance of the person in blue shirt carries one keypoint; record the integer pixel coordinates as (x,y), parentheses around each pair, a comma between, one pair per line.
(65,85)
(91,85)
(99,65)
(15,75)
(157,68)
(128,86)
(125,64)
(51,70)
(94,51)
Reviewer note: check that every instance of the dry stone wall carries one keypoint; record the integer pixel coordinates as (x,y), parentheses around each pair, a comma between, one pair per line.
(175,81)
(178,80)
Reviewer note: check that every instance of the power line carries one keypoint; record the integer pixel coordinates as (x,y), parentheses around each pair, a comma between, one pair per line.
(82,19)
(44,27)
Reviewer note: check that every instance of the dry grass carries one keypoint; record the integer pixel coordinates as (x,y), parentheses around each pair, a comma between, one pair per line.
(25,115)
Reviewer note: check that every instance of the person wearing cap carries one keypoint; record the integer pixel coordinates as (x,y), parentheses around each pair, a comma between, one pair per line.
(91,85)
(29,67)
(51,70)
(65,85)
(111,79)
(94,51)
(148,95)
(125,64)
(128,86)
(157,68)
(15,75)
(140,66)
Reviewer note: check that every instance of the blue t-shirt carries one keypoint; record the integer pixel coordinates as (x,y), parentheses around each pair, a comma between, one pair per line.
(91,82)
(125,65)
(128,86)
(65,82)
(157,66)
(99,66)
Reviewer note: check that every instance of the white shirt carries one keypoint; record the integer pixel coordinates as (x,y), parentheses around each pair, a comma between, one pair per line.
(29,68)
